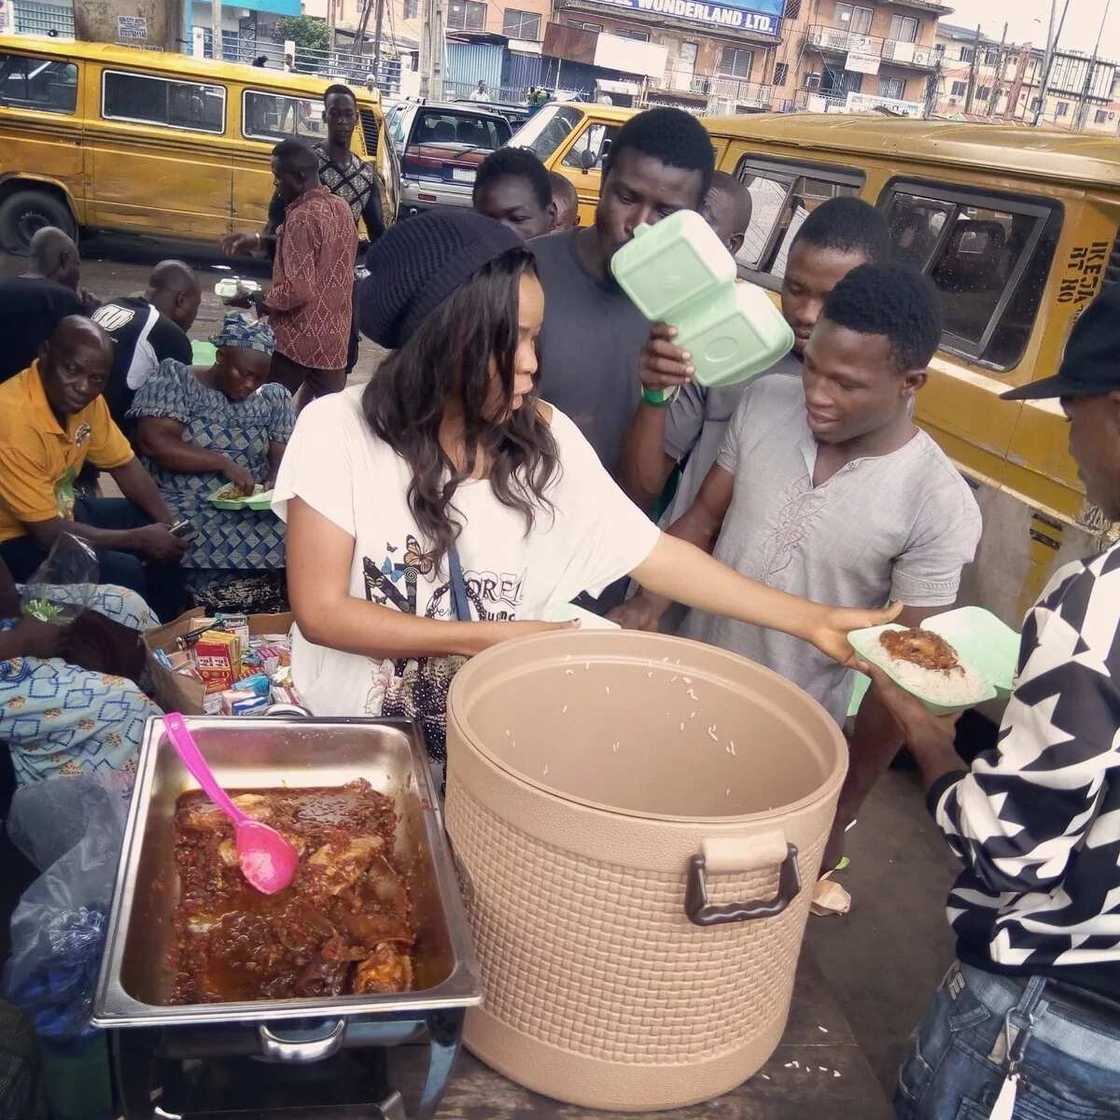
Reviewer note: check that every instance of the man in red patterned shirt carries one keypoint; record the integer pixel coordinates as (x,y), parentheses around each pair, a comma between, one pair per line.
(309,304)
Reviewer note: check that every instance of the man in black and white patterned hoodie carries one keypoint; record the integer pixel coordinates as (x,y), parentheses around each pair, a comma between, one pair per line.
(1027,1021)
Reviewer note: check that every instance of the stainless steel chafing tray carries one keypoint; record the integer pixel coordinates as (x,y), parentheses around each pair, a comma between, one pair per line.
(259,753)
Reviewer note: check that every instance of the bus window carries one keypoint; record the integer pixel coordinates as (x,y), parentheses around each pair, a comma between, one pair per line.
(782,197)
(988,258)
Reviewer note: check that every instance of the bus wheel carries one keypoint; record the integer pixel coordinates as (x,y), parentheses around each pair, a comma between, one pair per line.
(24,213)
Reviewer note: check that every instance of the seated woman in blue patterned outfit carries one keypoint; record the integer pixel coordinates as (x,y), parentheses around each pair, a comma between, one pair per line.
(56,718)
(198,429)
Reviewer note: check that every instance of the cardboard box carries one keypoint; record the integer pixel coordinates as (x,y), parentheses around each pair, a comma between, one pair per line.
(176,692)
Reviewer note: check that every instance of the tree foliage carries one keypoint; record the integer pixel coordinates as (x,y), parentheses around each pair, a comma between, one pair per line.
(305,31)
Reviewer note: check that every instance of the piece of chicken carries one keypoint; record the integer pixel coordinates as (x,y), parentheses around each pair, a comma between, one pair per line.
(920,647)
(389,969)
(254,805)
(203,816)
(338,866)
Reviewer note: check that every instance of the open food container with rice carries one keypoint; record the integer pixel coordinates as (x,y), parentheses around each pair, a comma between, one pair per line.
(298,998)
(637,821)
(955,661)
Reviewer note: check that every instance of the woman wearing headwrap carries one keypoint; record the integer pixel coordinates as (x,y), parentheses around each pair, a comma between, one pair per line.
(199,428)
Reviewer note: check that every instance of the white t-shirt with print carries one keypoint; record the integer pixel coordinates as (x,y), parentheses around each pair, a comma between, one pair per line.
(593,535)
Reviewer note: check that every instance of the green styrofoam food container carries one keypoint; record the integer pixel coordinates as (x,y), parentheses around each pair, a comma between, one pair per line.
(679,272)
(203,353)
(258,502)
(983,643)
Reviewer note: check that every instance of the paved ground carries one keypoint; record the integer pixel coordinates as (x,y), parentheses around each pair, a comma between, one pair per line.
(882,960)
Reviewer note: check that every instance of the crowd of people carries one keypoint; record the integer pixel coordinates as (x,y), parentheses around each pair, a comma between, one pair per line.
(516,450)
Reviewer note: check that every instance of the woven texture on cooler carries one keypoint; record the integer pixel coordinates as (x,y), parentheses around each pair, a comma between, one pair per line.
(600,960)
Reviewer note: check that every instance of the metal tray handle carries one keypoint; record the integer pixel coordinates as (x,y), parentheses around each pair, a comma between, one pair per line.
(738,855)
(296,710)
(300,1050)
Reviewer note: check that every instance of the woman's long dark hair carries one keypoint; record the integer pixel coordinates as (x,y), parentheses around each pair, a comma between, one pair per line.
(450,358)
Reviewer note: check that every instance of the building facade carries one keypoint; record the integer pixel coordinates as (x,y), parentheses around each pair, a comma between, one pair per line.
(705,57)
(865,55)
(983,78)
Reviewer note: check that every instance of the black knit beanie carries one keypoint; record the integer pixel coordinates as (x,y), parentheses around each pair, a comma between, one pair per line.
(419,263)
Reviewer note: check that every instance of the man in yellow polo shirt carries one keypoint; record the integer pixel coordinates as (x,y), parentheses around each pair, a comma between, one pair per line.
(53,419)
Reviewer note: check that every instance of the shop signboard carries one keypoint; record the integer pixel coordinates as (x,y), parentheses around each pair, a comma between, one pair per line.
(763,17)
(862,62)
(132,29)
(869,103)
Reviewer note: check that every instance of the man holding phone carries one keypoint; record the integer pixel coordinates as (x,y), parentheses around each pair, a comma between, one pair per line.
(53,419)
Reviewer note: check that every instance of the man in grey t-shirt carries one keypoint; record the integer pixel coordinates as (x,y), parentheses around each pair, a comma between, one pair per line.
(839,235)
(825,488)
(660,162)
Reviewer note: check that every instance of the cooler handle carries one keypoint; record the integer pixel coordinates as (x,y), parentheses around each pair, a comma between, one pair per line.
(729,855)
(300,1050)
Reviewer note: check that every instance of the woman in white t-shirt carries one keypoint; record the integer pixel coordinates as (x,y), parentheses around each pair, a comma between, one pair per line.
(444,490)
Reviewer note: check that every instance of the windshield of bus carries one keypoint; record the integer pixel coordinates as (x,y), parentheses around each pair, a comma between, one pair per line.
(544,132)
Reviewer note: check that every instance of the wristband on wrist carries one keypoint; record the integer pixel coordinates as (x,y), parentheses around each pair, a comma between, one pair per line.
(660,398)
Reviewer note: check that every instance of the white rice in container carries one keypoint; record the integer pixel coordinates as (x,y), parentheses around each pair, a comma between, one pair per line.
(959,687)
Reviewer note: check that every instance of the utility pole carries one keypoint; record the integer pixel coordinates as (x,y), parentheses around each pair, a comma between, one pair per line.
(997,84)
(1082,103)
(1051,48)
(431,50)
(972,74)
(216,28)
(378,23)
(1026,52)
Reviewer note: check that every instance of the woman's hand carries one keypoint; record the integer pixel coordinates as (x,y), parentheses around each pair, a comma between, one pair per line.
(483,635)
(830,629)
(240,477)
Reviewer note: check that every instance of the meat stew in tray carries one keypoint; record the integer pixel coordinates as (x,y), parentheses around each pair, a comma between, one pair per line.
(345,926)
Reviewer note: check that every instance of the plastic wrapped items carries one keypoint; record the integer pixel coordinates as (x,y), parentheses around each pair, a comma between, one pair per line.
(71,829)
(64,584)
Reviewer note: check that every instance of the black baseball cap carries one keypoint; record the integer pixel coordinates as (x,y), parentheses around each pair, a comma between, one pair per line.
(1091,365)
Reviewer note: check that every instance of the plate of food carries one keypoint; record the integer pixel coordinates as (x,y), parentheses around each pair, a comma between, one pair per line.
(229,497)
(954,661)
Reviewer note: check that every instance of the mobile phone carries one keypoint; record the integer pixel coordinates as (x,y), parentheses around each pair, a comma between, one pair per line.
(181,528)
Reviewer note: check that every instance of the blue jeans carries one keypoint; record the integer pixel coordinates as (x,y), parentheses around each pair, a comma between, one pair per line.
(1069,1056)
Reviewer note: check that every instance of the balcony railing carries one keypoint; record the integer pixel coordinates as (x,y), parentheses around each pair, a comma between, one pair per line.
(724,94)
(819,101)
(839,40)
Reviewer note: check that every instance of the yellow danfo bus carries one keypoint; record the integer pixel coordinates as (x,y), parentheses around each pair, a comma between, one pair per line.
(95,136)
(1016,227)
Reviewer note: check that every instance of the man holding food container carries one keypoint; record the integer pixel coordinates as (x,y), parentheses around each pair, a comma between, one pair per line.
(1027,1020)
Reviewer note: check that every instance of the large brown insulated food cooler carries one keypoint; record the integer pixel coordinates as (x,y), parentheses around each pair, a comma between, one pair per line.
(638,822)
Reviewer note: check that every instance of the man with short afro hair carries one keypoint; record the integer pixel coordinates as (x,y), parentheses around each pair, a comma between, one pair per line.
(512,187)
(825,488)
(660,162)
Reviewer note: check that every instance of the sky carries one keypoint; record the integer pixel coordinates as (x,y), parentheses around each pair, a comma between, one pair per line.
(1079,32)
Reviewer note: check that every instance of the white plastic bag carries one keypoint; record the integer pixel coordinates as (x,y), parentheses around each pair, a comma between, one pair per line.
(64,584)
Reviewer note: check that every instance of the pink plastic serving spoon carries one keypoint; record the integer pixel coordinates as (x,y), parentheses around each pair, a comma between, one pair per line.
(267,860)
